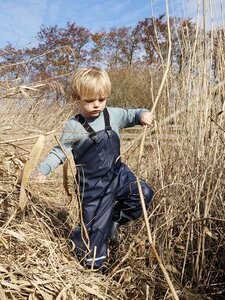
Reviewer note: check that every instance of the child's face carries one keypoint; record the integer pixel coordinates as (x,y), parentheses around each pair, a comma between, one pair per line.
(91,108)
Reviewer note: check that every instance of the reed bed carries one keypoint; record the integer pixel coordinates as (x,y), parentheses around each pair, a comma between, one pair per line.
(184,163)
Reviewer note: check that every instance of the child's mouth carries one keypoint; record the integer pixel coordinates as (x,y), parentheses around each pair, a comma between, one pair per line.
(96,112)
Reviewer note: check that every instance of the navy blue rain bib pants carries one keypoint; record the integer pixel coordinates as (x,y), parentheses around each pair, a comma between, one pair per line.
(108,192)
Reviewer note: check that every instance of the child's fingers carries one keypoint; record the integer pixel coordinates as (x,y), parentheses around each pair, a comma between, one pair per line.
(39,177)
(147,118)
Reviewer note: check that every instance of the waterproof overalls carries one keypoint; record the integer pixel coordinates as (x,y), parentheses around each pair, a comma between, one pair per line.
(108,192)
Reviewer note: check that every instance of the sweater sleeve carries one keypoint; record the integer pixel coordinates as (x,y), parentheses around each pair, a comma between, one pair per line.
(72,132)
(126,117)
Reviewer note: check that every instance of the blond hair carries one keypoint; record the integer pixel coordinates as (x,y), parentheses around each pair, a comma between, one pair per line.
(90,83)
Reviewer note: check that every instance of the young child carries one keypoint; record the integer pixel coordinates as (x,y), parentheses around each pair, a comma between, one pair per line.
(108,190)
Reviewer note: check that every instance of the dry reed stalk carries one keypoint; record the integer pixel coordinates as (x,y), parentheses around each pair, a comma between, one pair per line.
(217,124)
(166,275)
(185,255)
(26,138)
(49,82)
(86,235)
(2,294)
(65,179)
(141,149)
(172,289)
(147,292)
(159,155)
(29,167)
(62,293)
(114,270)
(8,222)
(93,259)
(92,291)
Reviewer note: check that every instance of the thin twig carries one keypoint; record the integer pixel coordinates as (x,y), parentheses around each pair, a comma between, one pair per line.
(26,138)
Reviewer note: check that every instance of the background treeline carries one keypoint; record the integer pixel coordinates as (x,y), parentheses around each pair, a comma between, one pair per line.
(61,50)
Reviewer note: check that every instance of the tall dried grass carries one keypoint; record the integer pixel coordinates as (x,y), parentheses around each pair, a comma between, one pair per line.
(185,167)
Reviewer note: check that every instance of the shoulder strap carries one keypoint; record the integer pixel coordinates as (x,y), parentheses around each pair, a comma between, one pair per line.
(89,129)
(86,126)
(108,128)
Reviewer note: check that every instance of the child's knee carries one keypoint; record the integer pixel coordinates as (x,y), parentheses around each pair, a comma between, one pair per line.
(147,192)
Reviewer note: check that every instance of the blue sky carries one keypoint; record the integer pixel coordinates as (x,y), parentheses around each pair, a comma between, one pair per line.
(20,20)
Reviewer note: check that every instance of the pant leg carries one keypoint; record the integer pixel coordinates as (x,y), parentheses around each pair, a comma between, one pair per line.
(97,217)
(128,206)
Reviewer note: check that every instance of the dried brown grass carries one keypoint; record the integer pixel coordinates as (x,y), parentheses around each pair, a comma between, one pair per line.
(186,217)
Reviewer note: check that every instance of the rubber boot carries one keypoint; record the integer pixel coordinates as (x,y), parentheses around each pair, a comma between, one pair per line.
(114,232)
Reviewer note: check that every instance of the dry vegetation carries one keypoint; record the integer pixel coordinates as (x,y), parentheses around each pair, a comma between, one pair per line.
(184,164)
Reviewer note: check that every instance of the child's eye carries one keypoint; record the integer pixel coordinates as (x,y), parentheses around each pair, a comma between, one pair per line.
(93,100)
(89,101)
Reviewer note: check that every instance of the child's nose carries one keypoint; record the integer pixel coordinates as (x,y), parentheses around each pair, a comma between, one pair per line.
(96,103)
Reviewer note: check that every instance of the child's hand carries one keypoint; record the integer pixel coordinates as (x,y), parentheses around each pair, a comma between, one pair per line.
(146,118)
(39,177)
